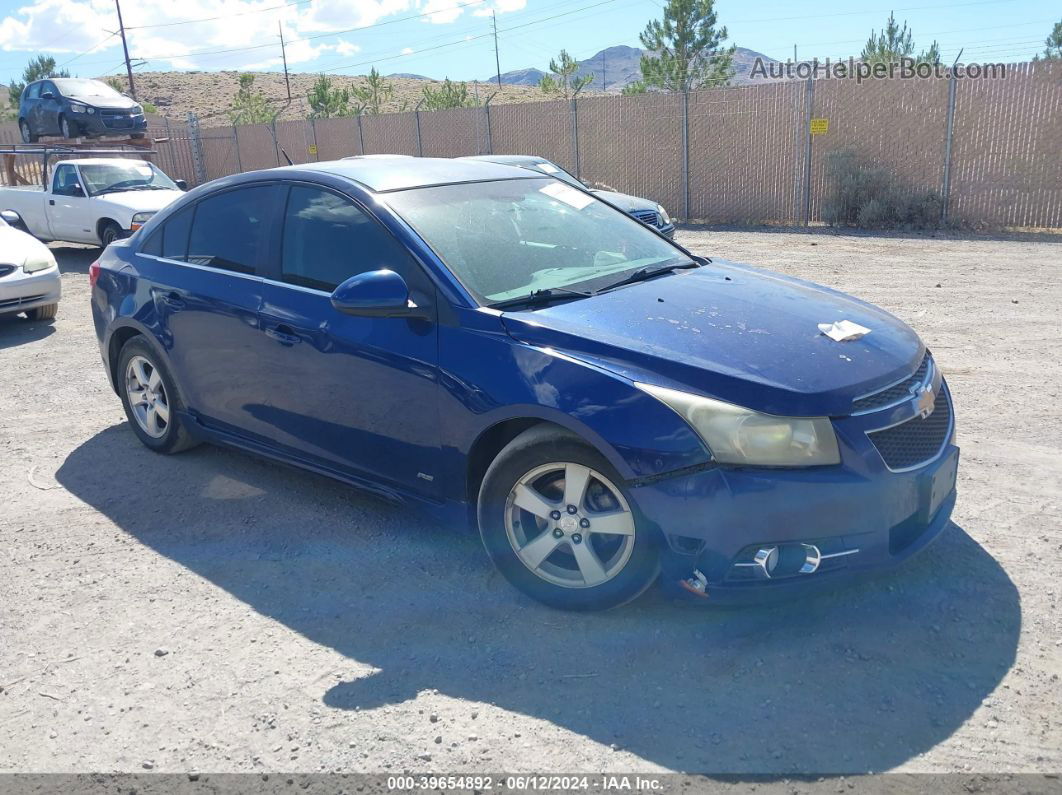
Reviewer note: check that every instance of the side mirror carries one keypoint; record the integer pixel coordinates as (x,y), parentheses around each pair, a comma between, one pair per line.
(381,293)
(11,218)
(47,95)
(180,183)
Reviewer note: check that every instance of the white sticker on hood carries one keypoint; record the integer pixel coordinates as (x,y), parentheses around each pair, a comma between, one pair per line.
(843,330)
(549,168)
(567,194)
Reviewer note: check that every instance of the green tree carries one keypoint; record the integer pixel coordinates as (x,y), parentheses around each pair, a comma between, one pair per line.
(37,69)
(1053,48)
(327,102)
(374,94)
(564,79)
(251,106)
(894,43)
(637,87)
(448,95)
(686,48)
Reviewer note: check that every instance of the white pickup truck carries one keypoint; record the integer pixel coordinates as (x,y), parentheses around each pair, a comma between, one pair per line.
(92,200)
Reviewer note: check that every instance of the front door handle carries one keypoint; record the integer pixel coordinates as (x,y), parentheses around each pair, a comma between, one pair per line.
(51,202)
(285,335)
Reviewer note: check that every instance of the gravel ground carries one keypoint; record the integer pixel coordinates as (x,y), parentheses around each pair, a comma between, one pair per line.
(216,612)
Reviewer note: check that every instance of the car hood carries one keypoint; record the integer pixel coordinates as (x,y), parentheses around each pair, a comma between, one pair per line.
(141,201)
(110,103)
(732,332)
(626,202)
(15,246)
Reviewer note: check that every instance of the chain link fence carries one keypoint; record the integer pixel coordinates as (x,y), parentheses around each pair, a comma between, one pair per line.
(742,155)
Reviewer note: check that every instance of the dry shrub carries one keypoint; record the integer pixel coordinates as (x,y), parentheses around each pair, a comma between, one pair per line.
(870,196)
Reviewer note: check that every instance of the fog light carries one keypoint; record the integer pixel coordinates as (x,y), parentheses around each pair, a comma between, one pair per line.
(787,560)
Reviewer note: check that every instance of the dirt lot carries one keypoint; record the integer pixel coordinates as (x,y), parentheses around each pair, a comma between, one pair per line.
(216,612)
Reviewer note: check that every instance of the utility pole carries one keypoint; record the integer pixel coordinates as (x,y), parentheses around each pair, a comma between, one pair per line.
(497,60)
(125,48)
(604,66)
(284,56)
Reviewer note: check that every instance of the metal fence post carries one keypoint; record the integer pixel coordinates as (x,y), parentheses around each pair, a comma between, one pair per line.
(197,148)
(575,137)
(276,142)
(686,156)
(416,118)
(490,141)
(361,135)
(945,191)
(236,145)
(809,101)
(313,133)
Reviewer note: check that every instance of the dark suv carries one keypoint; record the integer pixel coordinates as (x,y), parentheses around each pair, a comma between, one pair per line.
(72,106)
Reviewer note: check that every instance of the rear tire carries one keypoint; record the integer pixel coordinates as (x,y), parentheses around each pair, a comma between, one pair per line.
(150,399)
(47,312)
(543,510)
(24,130)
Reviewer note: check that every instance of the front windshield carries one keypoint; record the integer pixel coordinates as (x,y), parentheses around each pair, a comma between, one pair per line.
(510,238)
(113,177)
(74,87)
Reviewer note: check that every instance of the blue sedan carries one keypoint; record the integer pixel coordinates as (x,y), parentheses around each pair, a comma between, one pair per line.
(508,350)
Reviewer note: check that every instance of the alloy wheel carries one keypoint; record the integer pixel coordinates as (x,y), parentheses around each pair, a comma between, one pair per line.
(147,397)
(569,525)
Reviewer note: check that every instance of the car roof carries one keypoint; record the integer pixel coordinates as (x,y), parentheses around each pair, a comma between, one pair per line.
(516,160)
(101,161)
(380,174)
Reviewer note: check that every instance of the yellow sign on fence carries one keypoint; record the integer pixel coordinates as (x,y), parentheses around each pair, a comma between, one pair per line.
(313,149)
(820,126)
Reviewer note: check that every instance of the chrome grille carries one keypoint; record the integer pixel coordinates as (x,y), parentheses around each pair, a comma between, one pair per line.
(895,393)
(647,217)
(916,441)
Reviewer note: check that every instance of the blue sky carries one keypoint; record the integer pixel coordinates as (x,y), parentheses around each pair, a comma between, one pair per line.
(452,38)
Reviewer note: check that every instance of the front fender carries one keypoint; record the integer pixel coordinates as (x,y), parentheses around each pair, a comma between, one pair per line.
(486,377)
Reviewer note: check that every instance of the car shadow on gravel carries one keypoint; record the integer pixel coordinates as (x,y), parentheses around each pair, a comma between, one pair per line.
(862,679)
(73,258)
(15,330)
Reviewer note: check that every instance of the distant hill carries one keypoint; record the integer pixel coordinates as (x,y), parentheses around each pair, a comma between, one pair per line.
(408,76)
(616,67)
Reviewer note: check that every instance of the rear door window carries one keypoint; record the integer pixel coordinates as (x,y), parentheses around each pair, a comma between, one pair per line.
(231,230)
(175,235)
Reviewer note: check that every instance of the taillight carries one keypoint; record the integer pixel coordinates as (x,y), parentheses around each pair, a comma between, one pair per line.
(94,273)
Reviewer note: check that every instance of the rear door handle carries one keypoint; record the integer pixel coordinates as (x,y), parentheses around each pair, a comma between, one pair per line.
(285,335)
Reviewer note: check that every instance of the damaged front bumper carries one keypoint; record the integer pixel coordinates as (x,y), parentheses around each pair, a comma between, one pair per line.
(750,534)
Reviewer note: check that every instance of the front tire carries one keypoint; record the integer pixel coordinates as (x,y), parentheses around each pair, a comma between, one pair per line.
(109,232)
(47,312)
(67,128)
(559,525)
(150,399)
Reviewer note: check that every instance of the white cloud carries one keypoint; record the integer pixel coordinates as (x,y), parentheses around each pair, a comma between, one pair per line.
(407,51)
(443,12)
(60,27)
(501,7)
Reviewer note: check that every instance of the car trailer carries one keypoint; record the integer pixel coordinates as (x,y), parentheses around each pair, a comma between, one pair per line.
(40,155)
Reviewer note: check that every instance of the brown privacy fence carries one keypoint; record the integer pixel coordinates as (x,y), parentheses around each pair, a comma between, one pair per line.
(743,155)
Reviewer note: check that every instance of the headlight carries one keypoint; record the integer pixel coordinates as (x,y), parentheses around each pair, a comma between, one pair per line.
(139,219)
(737,435)
(38,262)
(75,108)
(137,109)
(665,219)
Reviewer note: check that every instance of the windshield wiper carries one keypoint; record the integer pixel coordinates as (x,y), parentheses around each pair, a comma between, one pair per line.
(540,297)
(642,274)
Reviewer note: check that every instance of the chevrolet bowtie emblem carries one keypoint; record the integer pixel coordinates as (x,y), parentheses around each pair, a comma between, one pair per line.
(925,399)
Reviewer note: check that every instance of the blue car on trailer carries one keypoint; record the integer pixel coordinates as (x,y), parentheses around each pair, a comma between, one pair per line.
(505,348)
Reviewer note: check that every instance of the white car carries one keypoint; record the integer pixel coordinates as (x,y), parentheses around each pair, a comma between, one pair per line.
(92,200)
(29,276)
